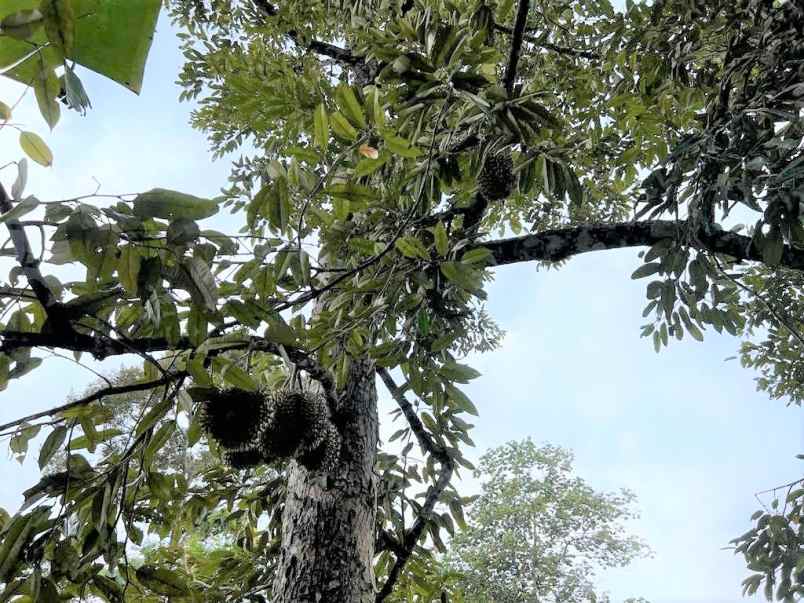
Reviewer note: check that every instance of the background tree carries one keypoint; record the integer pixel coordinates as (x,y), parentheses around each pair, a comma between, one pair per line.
(385,147)
(537,532)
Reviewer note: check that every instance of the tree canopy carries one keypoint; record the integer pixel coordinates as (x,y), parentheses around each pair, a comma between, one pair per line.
(537,532)
(393,155)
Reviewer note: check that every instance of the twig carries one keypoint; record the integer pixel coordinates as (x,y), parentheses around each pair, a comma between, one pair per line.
(782,320)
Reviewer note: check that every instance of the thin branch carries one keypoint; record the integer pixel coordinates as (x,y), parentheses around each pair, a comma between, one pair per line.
(426,441)
(108,391)
(403,550)
(780,318)
(558,49)
(516,45)
(342,55)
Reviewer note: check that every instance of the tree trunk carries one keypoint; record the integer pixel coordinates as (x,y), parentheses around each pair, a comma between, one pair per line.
(328,521)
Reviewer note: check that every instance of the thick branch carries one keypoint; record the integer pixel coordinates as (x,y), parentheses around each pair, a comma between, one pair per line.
(516,45)
(103,393)
(559,244)
(103,347)
(404,550)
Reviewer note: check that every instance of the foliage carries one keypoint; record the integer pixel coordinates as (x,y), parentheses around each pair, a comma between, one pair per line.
(362,127)
(538,533)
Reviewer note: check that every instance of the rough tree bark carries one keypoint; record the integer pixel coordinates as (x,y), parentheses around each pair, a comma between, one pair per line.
(328,523)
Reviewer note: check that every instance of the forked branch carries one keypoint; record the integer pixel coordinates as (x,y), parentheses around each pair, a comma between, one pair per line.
(403,550)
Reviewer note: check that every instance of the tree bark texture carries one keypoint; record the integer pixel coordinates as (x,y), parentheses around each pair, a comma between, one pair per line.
(328,523)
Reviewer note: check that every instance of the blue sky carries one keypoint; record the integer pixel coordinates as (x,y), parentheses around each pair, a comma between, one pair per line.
(683,429)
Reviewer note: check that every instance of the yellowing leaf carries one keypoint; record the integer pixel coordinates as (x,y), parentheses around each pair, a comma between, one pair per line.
(5,111)
(368,151)
(33,146)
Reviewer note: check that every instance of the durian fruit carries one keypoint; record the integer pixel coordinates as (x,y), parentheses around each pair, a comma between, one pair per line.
(286,428)
(315,418)
(243,459)
(496,179)
(326,455)
(235,418)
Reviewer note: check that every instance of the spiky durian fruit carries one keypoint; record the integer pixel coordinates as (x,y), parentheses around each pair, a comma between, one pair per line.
(496,179)
(286,427)
(235,418)
(243,459)
(326,455)
(315,417)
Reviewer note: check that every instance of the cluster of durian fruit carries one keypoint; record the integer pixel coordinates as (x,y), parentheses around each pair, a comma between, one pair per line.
(496,178)
(259,427)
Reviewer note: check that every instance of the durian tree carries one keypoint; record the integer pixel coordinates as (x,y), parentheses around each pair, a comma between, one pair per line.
(538,532)
(392,155)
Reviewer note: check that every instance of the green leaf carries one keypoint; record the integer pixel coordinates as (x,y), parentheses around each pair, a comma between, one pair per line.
(59,24)
(5,112)
(278,204)
(234,375)
(279,331)
(455,371)
(75,94)
(461,275)
(35,148)
(204,290)
(52,443)
(111,37)
(196,326)
(128,268)
(773,248)
(46,89)
(441,239)
(14,539)
(349,105)
(461,400)
(411,247)
(159,439)
(321,126)
(162,581)
(154,415)
(171,205)
(478,255)
(646,270)
(400,146)
(25,206)
(342,128)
